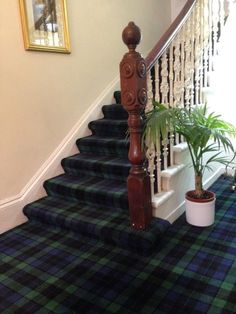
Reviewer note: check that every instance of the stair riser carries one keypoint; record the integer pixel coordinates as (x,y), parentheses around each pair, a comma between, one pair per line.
(117,96)
(104,235)
(104,149)
(106,175)
(80,165)
(114,112)
(113,132)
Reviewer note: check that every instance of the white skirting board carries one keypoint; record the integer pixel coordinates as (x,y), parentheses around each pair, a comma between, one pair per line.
(11,213)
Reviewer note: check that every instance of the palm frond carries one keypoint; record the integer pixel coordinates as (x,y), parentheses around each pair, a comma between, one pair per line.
(197,126)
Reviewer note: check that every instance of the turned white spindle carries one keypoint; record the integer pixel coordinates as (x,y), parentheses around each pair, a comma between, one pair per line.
(177,89)
(221,15)
(172,141)
(182,58)
(193,25)
(150,155)
(164,88)
(149,105)
(171,75)
(171,98)
(206,53)
(210,23)
(201,40)
(177,73)
(157,82)
(158,167)
(228,6)
(188,64)
(165,151)
(215,20)
(197,52)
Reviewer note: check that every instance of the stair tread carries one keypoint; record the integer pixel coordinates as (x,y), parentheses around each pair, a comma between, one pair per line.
(109,167)
(97,221)
(110,121)
(111,140)
(87,182)
(90,189)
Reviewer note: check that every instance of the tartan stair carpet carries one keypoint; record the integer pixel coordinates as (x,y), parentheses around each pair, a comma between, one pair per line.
(53,270)
(91,198)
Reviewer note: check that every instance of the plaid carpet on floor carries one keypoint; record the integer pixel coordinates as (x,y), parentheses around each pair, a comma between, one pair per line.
(192,270)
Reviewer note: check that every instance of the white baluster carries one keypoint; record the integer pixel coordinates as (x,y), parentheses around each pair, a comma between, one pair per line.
(182,58)
(206,32)
(157,82)
(197,53)
(178,88)
(172,140)
(171,97)
(193,25)
(222,15)
(210,16)
(165,152)
(164,88)
(215,20)
(188,64)
(149,105)
(158,167)
(228,7)
(150,155)
(201,40)
(171,74)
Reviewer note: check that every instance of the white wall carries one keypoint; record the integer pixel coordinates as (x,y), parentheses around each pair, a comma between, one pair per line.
(43,94)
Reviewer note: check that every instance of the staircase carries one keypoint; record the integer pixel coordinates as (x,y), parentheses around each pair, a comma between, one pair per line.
(103,192)
(91,197)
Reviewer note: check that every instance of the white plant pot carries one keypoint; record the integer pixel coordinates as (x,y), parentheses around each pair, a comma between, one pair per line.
(201,214)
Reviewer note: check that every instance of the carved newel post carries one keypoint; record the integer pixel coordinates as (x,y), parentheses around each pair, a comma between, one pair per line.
(134,98)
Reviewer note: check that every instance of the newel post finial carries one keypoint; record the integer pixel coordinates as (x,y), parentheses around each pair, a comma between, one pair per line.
(134,98)
(131,35)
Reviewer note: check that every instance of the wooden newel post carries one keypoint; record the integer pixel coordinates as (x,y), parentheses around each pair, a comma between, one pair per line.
(134,98)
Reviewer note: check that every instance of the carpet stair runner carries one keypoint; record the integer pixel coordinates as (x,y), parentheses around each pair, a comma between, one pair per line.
(91,197)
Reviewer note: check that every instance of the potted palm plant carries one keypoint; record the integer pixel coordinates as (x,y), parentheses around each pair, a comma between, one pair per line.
(206,134)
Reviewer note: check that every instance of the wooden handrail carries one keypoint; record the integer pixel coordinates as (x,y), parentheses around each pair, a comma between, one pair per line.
(166,39)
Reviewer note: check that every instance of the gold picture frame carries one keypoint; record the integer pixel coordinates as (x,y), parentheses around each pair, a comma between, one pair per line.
(45,25)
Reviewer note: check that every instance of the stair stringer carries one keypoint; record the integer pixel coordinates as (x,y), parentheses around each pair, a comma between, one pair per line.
(11,214)
(176,180)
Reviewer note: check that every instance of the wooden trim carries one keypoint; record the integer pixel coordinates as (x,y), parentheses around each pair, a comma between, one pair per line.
(166,39)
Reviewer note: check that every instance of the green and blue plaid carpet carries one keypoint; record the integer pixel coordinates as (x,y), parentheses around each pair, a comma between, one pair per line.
(45,269)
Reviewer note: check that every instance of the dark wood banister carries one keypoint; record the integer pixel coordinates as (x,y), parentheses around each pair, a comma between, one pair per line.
(168,36)
(133,78)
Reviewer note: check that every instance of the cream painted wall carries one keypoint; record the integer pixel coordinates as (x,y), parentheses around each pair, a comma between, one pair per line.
(176,6)
(44,94)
